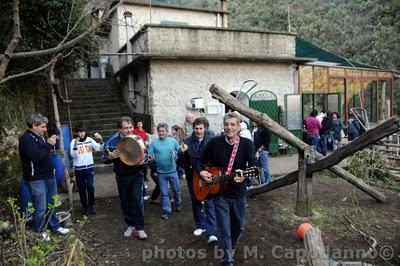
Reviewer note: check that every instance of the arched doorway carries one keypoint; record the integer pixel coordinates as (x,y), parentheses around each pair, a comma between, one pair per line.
(266,102)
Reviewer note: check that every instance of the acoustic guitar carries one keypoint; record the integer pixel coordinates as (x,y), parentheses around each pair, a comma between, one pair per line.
(202,189)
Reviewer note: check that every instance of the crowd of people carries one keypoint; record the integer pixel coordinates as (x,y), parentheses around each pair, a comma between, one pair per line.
(170,156)
(325,130)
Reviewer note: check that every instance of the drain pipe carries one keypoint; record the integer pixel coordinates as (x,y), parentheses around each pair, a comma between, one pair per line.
(128,16)
(224,14)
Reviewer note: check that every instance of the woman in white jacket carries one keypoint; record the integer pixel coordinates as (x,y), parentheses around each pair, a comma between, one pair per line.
(81,150)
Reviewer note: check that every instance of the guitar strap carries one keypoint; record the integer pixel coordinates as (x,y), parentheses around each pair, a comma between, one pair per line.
(233,155)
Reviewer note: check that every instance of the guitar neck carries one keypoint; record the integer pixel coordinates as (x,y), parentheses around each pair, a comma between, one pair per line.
(223,178)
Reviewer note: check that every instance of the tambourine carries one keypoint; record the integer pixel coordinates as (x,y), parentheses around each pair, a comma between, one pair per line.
(132,150)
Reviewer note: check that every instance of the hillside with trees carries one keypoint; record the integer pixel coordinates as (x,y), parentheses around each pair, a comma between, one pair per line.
(366,31)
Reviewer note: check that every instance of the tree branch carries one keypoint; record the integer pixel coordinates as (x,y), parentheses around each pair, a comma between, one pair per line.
(5,59)
(36,70)
(71,43)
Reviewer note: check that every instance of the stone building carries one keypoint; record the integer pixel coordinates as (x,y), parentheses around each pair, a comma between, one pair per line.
(176,58)
(174,54)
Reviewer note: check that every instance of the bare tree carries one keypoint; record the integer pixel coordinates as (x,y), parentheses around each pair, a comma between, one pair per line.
(98,10)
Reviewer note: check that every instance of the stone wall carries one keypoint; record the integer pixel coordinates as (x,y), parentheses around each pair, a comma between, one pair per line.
(174,83)
(203,41)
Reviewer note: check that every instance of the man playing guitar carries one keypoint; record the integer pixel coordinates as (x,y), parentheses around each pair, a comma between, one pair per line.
(233,153)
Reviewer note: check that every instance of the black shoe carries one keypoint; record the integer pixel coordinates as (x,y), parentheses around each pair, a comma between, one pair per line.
(178,209)
(92,210)
(84,210)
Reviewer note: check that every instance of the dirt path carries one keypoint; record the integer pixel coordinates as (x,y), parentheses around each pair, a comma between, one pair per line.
(269,237)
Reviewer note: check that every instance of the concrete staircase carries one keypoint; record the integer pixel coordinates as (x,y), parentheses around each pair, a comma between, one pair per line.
(97,104)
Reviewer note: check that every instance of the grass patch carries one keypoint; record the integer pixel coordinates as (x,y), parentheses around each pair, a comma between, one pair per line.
(330,220)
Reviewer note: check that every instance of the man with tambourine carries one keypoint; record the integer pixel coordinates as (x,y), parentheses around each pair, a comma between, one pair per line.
(126,152)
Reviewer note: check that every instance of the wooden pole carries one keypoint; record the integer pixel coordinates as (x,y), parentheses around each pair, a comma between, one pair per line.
(304,184)
(70,185)
(227,99)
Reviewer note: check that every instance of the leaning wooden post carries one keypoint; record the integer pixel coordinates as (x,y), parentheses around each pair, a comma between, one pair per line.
(63,153)
(55,83)
(304,184)
(316,255)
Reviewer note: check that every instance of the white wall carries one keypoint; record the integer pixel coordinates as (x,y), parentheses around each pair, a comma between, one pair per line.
(174,83)
(143,15)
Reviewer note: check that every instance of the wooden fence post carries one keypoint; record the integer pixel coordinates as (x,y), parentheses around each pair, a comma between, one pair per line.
(304,184)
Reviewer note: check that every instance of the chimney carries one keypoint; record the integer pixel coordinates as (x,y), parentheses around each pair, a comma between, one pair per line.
(224,14)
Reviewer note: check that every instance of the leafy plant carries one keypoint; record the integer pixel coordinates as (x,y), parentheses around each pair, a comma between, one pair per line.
(32,250)
(372,166)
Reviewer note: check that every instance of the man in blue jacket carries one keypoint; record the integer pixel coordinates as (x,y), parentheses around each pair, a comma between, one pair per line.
(205,220)
(38,172)
(130,181)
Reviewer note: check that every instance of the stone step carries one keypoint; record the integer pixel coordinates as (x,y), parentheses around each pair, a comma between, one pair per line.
(90,83)
(96,109)
(92,122)
(101,127)
(116,105)
(95,101)
(89,116)
(90,96)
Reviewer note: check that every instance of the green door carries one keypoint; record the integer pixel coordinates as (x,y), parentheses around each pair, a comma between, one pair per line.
(266,102)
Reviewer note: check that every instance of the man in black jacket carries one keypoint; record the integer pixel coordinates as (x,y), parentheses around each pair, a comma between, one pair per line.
(230,204)
(192,149)
(38,172)
(130,181)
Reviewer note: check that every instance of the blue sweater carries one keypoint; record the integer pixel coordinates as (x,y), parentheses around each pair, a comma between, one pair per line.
(35,155)
(120,168)
(164,151)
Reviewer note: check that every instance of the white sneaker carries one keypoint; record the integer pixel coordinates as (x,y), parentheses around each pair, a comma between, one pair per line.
(128,232)
(141,234)
(45,237)
(62,231)
(212,239)
(146,198)
(199,232)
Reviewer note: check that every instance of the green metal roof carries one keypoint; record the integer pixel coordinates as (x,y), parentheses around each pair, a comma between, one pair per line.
(306,49)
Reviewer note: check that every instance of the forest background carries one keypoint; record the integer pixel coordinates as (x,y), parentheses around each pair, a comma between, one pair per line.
(366,31)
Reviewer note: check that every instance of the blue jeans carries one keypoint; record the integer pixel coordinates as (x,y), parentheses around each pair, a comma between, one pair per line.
(172,179)
(352,135)
(322,144)
(204,218)
(42,194)
(26,197)
(84,180)
(231,217)
(265,176)
(130,189)
(312,140)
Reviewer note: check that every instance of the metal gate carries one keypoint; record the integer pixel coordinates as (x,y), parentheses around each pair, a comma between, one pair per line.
(266,102)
